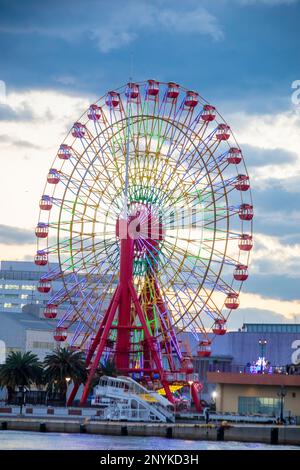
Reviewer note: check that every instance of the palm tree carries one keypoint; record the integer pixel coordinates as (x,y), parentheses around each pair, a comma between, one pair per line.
(62,364)
(108,368)
(20,370)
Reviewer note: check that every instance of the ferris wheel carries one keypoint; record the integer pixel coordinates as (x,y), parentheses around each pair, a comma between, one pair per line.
(146,218)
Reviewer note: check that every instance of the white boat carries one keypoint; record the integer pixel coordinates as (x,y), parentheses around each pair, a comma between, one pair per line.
(124,399)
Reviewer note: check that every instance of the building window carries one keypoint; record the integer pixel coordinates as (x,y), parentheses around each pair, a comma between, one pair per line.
(11,286)
(11,296)
(7,305)
(24,296)
(28,287)
(258,405)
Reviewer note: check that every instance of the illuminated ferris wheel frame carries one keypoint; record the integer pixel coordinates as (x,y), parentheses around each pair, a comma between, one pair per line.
(160,157)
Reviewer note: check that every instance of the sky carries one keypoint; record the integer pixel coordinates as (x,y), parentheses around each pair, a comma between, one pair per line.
(241,55)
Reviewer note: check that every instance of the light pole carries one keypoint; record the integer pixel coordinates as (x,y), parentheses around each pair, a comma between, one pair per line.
(281,394)
(190,382)
(67,381)
(262,343)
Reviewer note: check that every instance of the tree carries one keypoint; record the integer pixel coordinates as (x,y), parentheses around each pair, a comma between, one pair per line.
(109,368)
(64,363)
(20,370)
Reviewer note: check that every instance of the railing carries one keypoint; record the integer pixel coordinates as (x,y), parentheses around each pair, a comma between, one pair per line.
(254,369)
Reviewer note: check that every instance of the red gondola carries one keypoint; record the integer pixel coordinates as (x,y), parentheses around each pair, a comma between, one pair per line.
(78,130)
(53,176)
(113,99)
(232,301)
(132,91)
(204,348)
(173,90)
(46,203)
(219,327)
(245,242)
(242,183)
(64,152)
(209,113)
(240,272)
(94,112)
(44,286)
(41,258)
(153,88)
(60,334)
(234,156)
(223,132)
(246,212)
(191,99)
(42,230)
(50,311)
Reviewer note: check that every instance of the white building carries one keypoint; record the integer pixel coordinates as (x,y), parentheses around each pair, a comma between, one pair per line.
(18,286)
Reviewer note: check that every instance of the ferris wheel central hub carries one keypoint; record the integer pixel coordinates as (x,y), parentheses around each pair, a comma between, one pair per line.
(142,224)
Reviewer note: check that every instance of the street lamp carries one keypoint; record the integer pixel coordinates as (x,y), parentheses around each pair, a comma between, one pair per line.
(67,381)
(281,394)
(190,382)
(262,343)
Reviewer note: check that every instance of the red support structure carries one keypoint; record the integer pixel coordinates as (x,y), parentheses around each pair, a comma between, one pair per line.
(124,309)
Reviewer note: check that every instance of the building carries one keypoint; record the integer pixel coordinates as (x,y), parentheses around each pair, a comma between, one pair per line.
(256,393)
(237,351)
(18,286)
(27,331)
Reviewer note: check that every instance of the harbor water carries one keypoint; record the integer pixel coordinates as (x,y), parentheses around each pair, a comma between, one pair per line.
(26,440)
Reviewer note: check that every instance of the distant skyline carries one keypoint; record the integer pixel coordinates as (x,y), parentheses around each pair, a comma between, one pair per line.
(241,55)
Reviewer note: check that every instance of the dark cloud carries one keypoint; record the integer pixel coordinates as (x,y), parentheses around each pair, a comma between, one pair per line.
(272,285)
(15,236)
(256,156)
(277,210)
(256,315)
(18,142)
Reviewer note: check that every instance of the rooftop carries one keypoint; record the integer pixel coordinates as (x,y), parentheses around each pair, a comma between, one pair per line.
(271,327)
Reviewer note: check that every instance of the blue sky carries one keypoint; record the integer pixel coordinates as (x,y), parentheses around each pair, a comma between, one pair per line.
(229,49)
(241,55)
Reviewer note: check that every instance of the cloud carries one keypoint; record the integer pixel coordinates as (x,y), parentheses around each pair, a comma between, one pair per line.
(272,257)
(22,113)
(258,315)
(287,308)
(113,28)
(18,142)
(15,236)
(39,137)
(128,21)
(257,156)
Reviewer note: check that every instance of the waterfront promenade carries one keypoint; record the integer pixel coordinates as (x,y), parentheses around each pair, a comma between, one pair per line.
(267,434)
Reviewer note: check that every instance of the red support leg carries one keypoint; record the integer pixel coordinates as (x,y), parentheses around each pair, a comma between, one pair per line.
(149,339)
(92,349)
(122,356)
(101,346)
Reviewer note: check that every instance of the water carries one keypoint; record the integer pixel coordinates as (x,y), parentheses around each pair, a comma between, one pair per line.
(26,440)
